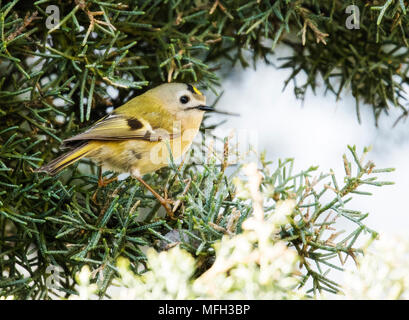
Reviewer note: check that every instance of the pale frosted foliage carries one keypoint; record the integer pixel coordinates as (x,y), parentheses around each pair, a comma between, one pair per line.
(283,208)
(251,265)
(247,266)
(244,272)
(168,278)
(85,288)
(239,272)
(255,264)
(383,271)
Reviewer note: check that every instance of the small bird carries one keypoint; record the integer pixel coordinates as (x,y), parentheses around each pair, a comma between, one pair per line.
(136,137)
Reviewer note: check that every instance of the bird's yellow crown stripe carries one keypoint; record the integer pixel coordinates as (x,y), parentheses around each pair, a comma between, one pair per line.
(197,91)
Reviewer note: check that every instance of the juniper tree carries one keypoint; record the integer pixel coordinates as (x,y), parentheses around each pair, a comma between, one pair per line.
(57,76)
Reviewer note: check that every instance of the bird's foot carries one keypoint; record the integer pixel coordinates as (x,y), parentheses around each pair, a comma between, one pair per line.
(102,183)
(176,204)
(168,204)
(164,201)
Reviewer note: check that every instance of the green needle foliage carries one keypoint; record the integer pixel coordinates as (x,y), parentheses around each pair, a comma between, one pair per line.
(55,81)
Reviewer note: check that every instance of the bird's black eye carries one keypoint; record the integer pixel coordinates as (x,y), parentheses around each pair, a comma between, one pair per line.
(184,99)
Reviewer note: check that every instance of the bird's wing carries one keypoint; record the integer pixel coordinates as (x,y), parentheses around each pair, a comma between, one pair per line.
(149,125)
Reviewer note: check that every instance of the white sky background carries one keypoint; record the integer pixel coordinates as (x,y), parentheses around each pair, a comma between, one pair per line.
(317,132)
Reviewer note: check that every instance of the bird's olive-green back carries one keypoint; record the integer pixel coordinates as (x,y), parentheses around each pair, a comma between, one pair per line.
(139,118)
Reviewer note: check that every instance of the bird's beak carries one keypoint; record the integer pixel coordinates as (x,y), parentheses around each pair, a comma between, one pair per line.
(205,108)
(208,108)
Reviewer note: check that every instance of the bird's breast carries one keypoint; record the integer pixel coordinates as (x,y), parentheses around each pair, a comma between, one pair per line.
(146,156)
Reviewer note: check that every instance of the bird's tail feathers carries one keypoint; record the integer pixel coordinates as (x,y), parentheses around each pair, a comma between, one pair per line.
(63,161)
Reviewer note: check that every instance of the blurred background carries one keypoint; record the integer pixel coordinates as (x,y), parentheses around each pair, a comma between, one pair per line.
(316,132)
